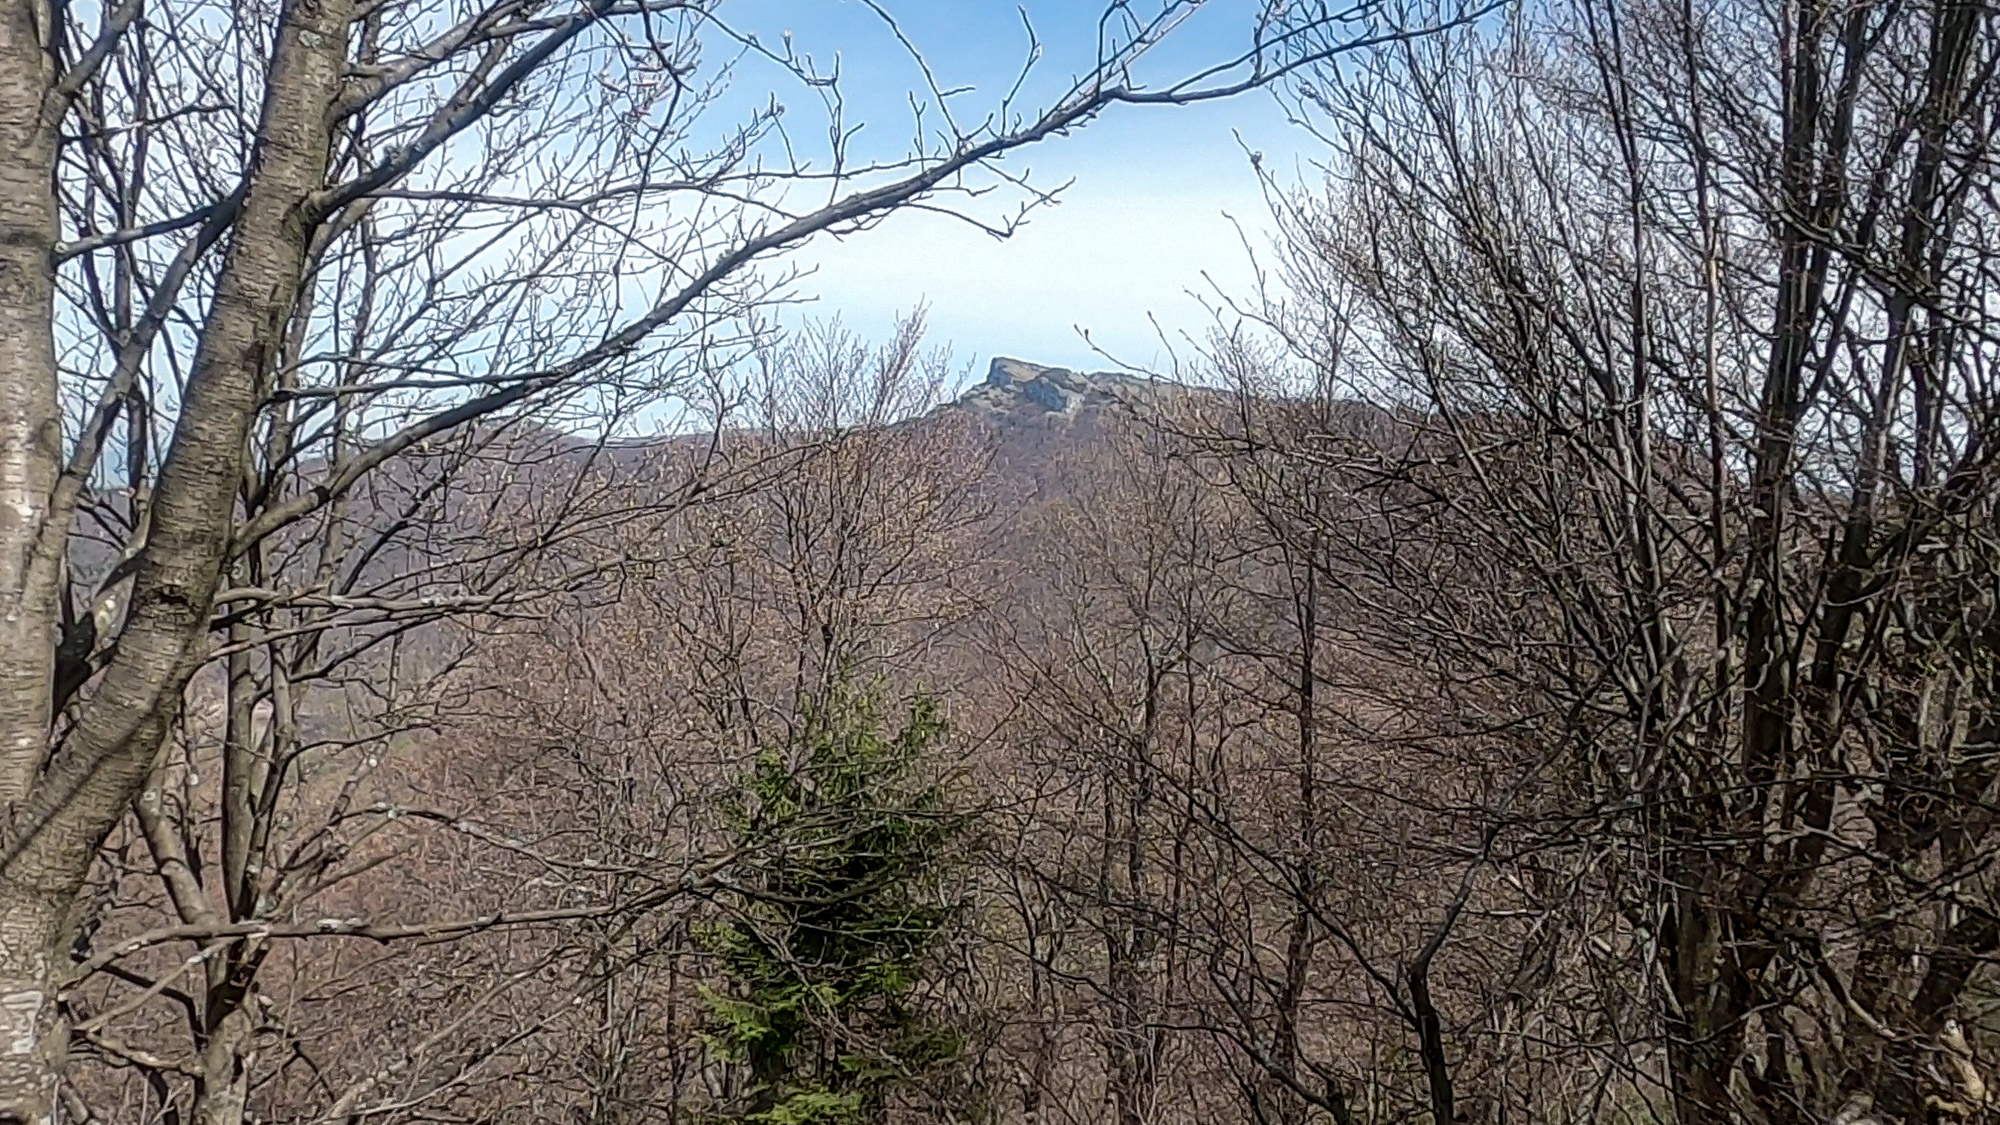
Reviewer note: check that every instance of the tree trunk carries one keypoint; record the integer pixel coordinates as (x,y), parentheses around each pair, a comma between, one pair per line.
(1702,1026)
(225,1070)
(32,1037)
(32,906)
(30,427)
(53,834)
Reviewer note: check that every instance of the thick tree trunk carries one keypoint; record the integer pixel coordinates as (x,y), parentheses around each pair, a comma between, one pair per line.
(32,906)
(225,1070)
(61,815)
(30,427)
(32,1038)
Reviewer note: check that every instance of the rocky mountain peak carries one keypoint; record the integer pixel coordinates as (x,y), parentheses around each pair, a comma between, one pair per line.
(1016,386)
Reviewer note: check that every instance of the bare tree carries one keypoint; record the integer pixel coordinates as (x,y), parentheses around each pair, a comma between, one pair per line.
(254,258)
(644,711)
(1099,648)
(1685,313)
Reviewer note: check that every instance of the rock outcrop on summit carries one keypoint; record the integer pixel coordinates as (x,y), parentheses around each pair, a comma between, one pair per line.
(1017,387)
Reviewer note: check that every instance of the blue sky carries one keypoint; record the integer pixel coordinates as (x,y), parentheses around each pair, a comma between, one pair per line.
(1146,222)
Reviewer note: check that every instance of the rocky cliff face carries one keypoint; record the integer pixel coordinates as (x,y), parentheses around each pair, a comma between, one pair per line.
(1021,389)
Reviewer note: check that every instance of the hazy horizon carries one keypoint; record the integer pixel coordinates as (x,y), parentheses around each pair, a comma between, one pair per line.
(1160,204)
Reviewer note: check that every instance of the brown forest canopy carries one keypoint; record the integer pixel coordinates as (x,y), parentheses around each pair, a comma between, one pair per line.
(1540,667)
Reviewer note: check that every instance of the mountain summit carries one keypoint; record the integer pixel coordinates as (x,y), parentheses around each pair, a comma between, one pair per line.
(1017,387)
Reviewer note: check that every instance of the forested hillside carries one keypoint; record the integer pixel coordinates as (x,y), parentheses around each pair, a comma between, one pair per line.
(473,650)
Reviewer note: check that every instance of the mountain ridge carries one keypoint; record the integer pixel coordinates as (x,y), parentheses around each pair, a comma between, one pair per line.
(1020,388)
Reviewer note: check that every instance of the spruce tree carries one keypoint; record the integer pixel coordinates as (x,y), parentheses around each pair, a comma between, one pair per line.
(844,898)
